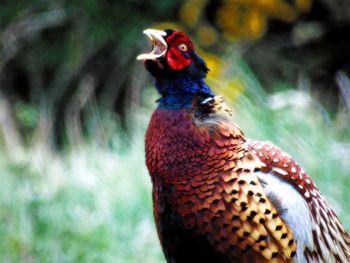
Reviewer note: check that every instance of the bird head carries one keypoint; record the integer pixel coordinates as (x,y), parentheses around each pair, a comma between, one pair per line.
(172,56)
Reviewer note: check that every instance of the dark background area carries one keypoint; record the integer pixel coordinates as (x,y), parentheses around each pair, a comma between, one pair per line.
(59,56)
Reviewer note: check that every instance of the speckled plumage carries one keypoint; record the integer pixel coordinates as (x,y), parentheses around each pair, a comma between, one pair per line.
(214,191)
(219,197)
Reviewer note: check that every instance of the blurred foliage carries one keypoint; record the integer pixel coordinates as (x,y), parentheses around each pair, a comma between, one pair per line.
(89,205)
(64,55)
(69,80)
(64,59)
(238,19)
(281,40)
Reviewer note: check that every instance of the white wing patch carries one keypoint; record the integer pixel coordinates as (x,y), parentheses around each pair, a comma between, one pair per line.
(293,210)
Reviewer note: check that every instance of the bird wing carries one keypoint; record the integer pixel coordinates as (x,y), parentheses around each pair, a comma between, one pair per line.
(319,234)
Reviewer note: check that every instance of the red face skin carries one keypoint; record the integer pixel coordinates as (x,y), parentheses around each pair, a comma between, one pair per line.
(178,46)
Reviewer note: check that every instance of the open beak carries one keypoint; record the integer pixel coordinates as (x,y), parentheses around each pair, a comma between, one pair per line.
(159,45)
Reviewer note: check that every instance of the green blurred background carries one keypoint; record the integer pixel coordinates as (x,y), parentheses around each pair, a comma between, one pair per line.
(75,103)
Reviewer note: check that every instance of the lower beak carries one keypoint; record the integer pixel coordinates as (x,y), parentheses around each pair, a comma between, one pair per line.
(159,45)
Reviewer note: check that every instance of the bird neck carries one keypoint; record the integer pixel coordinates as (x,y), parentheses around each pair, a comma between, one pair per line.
(179,93)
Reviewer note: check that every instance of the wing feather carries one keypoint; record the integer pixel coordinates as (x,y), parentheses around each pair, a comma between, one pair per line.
(316,227)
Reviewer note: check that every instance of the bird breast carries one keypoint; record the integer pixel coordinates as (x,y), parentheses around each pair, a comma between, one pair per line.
(178,146)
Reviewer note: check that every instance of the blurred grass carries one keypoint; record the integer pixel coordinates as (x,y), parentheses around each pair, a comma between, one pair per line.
(92,202)
(89,204)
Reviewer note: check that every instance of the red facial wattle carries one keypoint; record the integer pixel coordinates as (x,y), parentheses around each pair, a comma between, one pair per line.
(176,58)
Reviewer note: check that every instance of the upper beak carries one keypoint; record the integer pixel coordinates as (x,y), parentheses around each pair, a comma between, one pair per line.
(159,45)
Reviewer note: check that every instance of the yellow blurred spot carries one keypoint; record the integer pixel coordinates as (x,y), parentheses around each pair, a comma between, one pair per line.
(275,8)
(190,11)
(256,22)
(304,5)
(228,18)
(233,89)
(268,6)
(230,89)
(285,13)
(207,35)
(240,19)
(170,25)
(213,62)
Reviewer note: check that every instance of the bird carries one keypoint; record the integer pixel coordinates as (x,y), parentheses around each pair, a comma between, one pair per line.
(217,195)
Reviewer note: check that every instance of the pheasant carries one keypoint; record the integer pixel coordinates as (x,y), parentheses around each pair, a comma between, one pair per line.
(218,196)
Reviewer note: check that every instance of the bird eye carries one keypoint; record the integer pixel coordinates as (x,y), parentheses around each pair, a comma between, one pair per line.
(183,47)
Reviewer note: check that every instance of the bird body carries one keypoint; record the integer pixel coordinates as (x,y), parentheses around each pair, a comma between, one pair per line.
(219,197)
